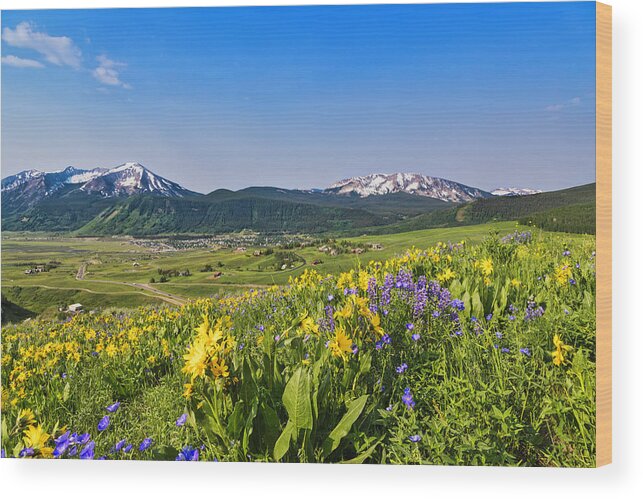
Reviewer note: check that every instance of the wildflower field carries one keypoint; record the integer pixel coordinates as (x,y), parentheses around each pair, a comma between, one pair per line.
(457,354)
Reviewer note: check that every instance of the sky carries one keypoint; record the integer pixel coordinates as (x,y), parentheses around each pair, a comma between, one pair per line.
(490,95)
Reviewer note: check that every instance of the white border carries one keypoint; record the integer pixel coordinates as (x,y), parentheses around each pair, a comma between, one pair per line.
(116,480)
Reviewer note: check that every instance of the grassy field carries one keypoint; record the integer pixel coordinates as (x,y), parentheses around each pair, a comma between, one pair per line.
(480,353)
(113,264)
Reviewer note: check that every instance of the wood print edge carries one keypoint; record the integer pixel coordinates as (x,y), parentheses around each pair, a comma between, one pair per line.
(603,234)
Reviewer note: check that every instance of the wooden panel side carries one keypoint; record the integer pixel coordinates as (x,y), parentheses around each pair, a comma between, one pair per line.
(603,234)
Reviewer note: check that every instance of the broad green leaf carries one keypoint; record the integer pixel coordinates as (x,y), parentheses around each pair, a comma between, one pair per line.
(296,399)
(353,411)
(364,455)
(283,442)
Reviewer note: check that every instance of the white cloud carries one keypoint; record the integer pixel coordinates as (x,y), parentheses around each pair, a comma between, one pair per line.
(59,50)
(19,62)
(576,101)
(107,72)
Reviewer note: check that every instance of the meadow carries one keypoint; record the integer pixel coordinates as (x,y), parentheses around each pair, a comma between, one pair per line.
(470,348)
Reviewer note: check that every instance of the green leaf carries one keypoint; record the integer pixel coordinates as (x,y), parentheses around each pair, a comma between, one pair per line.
(353,411)
(66,392)
(283,442)
(476,305)
(296,399)
(235,423)
(364,455)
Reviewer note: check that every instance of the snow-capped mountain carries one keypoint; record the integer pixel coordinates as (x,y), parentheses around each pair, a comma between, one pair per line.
(514,191)
(411,183)
(132,178)
(28,188)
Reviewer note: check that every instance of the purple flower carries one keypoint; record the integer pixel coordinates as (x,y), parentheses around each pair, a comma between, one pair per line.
(386,339)
(525,351)
(62,443)
(127,448)
(354,349)
(572,281)
(410,326)
(567,253)
(27,451)
(407,398)
(457,304)
(145,444)
(119,445)
(103,423)
(504,350)
(114,407)
(498,335)
(88,451)
(330,297)
(389,408)
(188,453)
(378,345)
(401,368)
(73,450)
(489,317)
(415,337)
(182,419)
(415,438)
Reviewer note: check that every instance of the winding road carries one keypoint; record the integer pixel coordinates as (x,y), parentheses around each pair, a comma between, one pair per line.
(168,297)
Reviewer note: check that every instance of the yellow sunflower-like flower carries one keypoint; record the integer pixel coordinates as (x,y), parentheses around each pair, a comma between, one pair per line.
(36,438)
(558,355)
(446,275)
(486,266)
(376,322)
(341,344)
(25,418)
(219,368)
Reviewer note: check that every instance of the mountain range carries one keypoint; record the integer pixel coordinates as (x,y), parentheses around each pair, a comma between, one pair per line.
(131,199)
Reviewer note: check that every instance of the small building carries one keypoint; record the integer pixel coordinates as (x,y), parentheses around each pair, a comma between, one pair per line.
(217,274)
(357,251)
(256,253)
(75,308)
(377,246)
(28,271)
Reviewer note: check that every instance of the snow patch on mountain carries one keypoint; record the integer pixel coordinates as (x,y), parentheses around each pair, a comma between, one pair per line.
(514,191)
(411,183)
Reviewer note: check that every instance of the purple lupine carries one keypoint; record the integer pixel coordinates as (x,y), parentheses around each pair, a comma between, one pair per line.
(407,398)
(532,312)
(421,297)
(372,294)
(386,289)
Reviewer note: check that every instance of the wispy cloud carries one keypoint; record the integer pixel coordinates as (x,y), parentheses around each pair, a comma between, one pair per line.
(58,50)
(108,72)
(19,62)
(576,101)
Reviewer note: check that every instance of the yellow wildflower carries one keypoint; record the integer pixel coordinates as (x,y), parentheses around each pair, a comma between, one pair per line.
(486,266)
(219,368)
(515,283)
(341,344)
(558,355)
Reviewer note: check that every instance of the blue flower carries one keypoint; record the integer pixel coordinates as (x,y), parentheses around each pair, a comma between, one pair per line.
(410,326)
(407,398)
(182,419)
(525,351)
(88,451)
(354,349)
(145,444)
(73,450)
(120,444)
(386,339)
(62,443)
(489,317)
(572,281)
(458,305)
(504,350)
(330,297)
(415,337)
(499,335)
(188,453)
(103,423)
(114,407)
(401,368)
(27,451)
(415,438)
(127,448)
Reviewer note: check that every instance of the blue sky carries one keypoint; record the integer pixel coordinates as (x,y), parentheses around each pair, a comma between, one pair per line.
(485,94)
